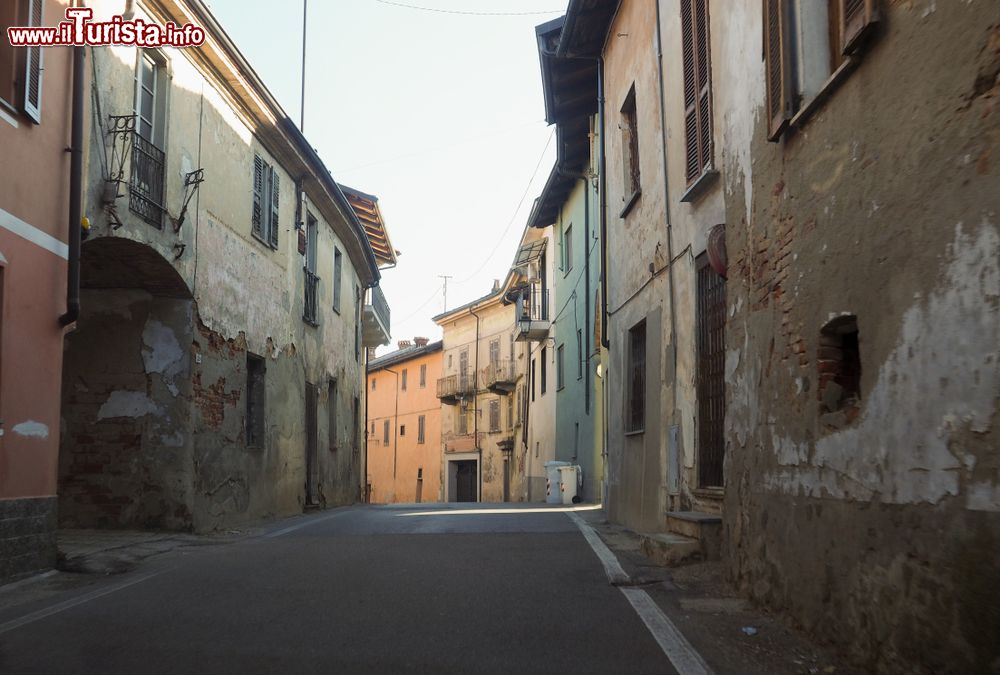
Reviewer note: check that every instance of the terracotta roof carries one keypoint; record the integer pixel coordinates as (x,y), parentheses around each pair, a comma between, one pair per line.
(365,207)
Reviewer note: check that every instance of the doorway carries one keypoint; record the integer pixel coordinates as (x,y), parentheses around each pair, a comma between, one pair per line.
(312,487)
(465,481)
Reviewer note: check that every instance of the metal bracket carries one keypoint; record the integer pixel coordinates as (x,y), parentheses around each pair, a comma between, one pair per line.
(191,182)
(121,129)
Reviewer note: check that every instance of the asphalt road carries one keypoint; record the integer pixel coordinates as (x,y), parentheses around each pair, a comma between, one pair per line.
(430,588)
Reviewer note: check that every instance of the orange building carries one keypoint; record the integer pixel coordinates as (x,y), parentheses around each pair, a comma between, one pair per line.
(39,207)
(404,424)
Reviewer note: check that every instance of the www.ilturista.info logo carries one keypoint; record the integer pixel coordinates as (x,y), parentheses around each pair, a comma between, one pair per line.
(79,30)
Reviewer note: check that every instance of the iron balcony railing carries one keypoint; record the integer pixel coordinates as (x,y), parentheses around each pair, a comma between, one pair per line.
(453,387)
(146,183)
(533,303)
(499,375)
(380,306)
(311,286)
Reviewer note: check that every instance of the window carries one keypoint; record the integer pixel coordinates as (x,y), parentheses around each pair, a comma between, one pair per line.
(403,385)
(579,353)
(560,367)
(423,375)
(402,429)
(807,48)
(494,415)
(710,328)
(21,68)
(532,380)
(332,402)
(357,323)
(544,371)
(385,432)
(450,363)
(567,249)
(510,410)
(266,192)
(463,362)
(148,159)
(635,401)
(373,384)
(839,364)
(338,262)
(696,49)
(463,421)
(311,279)
(494,352)
(421,429)
(255,421)
(629,126)
(356,422)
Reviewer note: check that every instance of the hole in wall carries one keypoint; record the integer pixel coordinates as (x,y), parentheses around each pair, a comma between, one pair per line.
(839,366)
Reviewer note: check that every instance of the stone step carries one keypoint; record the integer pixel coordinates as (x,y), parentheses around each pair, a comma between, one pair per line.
(668,548)
(706,528)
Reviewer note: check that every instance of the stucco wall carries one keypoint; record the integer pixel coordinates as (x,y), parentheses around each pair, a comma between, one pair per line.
(879,532)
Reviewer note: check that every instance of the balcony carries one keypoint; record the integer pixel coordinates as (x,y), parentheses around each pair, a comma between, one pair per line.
(456,388)
(309,307)
(146,183)
(532,307)
(500,377)
(375,319)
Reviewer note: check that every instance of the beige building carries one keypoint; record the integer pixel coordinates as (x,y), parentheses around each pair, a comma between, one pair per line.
(229,291)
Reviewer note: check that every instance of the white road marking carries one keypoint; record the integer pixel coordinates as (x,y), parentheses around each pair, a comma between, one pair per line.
(680,652)
(299,526)
(489,512)
(616,575)
(29,580)
(69,604)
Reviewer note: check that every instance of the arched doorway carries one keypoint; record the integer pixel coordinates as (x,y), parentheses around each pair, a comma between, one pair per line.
(125,457)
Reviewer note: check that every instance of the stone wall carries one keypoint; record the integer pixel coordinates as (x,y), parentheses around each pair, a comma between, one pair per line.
(27,536)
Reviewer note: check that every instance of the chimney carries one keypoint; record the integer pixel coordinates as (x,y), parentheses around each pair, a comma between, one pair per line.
(496,285)
(404,344)
(371,353)
(420,341)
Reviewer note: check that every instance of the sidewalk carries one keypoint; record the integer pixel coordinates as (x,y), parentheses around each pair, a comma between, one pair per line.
(118,551)
(727,631)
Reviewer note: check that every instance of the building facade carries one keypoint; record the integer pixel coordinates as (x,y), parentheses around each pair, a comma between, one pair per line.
(35,199)
(404,424)
(217,372)
(863,333)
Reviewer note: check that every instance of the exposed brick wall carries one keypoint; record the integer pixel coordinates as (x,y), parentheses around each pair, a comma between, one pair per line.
(27,536)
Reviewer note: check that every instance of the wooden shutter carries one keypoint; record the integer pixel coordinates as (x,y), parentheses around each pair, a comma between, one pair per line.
(33,68)
(273,231)
(857,18)
(258,196)
(695,47)
(779,103)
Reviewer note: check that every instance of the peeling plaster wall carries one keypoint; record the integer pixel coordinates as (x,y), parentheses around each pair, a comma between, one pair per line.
(879,532)
(125,451)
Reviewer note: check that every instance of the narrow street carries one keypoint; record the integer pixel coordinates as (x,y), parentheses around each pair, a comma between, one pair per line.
(378,589)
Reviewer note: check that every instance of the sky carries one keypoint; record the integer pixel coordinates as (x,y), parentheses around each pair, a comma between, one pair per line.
(439,114)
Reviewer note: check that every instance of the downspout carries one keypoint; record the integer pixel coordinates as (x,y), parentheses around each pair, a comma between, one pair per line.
(475,408)
(75,192)
(586,295)
(603,215)
(395,429)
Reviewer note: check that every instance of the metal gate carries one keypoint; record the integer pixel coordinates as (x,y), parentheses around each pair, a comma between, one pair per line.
(711,328)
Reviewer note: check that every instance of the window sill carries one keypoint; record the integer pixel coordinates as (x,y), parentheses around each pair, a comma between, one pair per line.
(637,432)
(336,310)
(262,241)
(630,202)
(831,85)
(700,184)
(9,113)
(310,322)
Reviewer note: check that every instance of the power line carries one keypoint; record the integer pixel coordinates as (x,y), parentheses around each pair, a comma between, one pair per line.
(467,13)
(516,211)
(422,305)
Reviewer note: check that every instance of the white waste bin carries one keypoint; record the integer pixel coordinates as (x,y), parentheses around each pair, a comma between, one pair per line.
(568,481)
(552,482)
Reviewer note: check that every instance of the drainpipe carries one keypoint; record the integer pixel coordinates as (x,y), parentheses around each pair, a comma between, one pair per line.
(603,215)
(75,192)
(395,429)
(475,407)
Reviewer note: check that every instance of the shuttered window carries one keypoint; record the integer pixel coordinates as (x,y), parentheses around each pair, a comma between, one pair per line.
(635,401)
(779,108)
(266,198)
(494,415)
(697,87)
(421,429)
(33,67)
(629,125)
(857,18)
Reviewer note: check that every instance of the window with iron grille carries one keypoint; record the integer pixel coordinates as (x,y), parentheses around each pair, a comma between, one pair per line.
(629,125)
(494,415)
(421,429)
(266,193)
(146,183)
(696,49)
(463,421)
(635,401)
(256,401)
(332,401)
(423,375)
(710,326)
(542,365)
